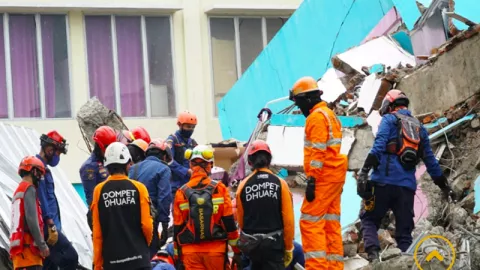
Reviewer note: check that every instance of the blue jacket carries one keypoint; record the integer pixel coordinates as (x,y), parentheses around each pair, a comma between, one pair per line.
(155,175)
(92,173)
(48,200)
(396,174)
(180,165)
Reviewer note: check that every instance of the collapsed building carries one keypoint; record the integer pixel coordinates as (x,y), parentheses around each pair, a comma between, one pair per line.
(442,83)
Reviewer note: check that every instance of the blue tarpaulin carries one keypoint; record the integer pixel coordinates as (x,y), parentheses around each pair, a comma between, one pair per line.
(303,47)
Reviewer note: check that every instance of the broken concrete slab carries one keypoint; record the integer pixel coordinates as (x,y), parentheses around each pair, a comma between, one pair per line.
(363,142)
(391,253)
(398,263)
(457,216)
(463,69)
(475,124)
(354,263)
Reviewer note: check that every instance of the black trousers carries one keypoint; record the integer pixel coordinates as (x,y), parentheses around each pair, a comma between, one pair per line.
(268,255)
(401,201)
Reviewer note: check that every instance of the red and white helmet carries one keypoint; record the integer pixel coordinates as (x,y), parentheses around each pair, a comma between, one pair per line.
(393,98)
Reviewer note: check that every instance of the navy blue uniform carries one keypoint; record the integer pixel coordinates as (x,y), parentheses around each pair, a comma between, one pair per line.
(92,173)
(180,165)
(62,254)
(394,185)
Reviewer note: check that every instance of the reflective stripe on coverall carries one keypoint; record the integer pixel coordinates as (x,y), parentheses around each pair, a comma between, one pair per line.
(209,255)
(320,219)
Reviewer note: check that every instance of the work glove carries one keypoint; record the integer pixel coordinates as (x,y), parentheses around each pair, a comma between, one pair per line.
(310,190)
(364,187)
(45,252)
(370,162)
(164,236)
(52,235)
(288,257)
(236,261)
(442,183)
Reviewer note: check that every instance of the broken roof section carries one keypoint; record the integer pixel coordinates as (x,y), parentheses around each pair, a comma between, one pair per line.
(328,27)
(16,143)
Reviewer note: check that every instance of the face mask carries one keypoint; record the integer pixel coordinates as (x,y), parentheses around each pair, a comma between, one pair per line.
(305,106)
(186,133)
(53,161)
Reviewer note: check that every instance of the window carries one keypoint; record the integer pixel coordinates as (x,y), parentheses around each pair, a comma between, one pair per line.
(130,66)
(235,43)
(35,80)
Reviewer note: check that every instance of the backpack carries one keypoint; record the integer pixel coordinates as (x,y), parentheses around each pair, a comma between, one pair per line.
(407,146)
(200,225)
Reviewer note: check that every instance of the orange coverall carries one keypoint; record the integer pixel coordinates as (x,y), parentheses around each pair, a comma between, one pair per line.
(320,219)
(287,210)
(206,255)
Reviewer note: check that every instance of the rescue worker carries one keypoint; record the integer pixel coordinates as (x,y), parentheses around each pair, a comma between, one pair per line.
(122,223)
(400,142)
(162,261)
(179,142)
(141,133)
(203,218)
(155,174)
(27,245)
(265,213)
(137,150)
(126,136)
(325,168)
(92,171)
(62,253)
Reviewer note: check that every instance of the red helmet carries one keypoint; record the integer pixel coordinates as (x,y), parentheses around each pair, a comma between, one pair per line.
(54,138)
(141,133)
(104,136)
(393,97)
(158,144)
(187,117)
(30,162)
(259,145)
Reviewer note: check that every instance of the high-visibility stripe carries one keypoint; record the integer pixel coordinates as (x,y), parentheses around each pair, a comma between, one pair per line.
(233,242)
(335,257)
(309,144)
(18,195)
(14,243)
(329,217)
(175,252)
(217,200)
(316,164)
(184,206)
(332,141)
(315,255)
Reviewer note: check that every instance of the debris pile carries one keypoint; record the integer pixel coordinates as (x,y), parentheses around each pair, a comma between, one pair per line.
(94,114)
(456,147)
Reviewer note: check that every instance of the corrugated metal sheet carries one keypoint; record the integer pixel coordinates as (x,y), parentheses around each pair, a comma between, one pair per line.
(17,142)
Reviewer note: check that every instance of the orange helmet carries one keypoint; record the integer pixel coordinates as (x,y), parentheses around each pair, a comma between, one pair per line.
(304,85)
(158,144)
(141,133)
(187,117)
(54,138)
(259,145)
(30,162)
(140,144)
(393,97)
(104,136)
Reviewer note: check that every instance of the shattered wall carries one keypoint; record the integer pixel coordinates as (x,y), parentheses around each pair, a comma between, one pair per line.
(452,78)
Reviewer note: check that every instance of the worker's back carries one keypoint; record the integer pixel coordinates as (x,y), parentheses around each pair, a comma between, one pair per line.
(124,245)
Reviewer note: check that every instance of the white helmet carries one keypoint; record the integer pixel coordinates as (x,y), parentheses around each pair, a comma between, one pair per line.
(117,153)
(200,151)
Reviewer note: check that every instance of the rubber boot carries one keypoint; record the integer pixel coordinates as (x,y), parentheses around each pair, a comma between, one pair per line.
(373,254)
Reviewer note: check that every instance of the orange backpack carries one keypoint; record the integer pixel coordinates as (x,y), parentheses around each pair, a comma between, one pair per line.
(407,146)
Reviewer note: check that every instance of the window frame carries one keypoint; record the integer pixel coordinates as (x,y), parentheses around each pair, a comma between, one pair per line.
(39,55)
(146,70)
(238,55)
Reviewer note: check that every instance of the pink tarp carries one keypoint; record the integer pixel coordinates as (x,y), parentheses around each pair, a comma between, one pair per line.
(421,202)
(385,26)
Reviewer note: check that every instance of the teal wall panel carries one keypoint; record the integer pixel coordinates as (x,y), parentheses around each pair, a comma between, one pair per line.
(304,46)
